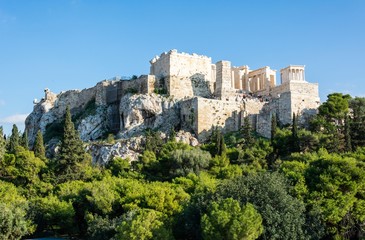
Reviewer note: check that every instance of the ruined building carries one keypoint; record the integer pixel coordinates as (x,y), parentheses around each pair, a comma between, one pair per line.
(185,91)
(221,95)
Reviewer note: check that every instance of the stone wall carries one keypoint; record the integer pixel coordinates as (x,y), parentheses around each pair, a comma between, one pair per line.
(297,97)
(187,65)
(224,79)
(102,91)
(184,75)
(142,85)
(160,65)
(304,99)
(201,114)
(188,115)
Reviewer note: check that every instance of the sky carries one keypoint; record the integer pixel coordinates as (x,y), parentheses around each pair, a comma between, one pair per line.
(73,44)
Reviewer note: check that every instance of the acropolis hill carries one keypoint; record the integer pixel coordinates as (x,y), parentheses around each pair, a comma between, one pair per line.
(185,92)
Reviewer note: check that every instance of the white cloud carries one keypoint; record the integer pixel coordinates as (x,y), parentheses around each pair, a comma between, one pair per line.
(14,119)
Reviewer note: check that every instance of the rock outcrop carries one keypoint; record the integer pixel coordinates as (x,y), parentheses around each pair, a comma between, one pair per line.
(130,148)
(94,114)
(147,111)
(126,149)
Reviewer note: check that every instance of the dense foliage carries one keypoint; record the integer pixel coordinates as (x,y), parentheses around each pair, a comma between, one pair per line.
(305,182)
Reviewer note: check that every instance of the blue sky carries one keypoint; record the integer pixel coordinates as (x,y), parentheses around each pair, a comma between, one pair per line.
(73,44)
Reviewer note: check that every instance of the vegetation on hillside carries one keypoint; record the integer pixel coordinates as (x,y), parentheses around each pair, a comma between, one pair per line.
(299,184)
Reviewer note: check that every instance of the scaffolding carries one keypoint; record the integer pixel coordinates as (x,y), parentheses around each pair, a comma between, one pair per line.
(113,95)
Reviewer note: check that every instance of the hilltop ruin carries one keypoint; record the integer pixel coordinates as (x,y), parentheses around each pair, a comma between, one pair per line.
(183,91)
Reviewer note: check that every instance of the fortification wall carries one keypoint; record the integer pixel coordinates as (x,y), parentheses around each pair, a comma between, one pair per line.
(181,87)
(296,97)
(160,65)
(185,75)
(304,100)
(102,92)
(188,115)
(224,79)
(253,106)
(75,99)
(186,65)
(144,84)
(226,115)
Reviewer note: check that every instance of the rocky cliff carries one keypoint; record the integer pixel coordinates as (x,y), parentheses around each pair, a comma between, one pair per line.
(95,117)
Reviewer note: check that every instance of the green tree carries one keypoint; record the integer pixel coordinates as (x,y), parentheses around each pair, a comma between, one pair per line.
(21,168)
(14,223)
(295,145)
(308,141)
(247,133)
(357,121)
(172,135)
(39,150)
(53,214)
(217,139)
(257,155)
(143,224)
(119,167)
(71,152)
(2,144)
(227,220)
(331,120)
(348,145)
(335,108)
(184,162)
(110,139)
(336,185)
(283,215)
(100,228)
(24,141)
(274,125)
(13,139)
(153,141)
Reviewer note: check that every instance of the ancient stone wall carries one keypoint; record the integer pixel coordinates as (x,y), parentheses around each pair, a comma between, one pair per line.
(304,100)
(297,97)
(142,85)
(188,115)
(184,75)
(226,115)
(160,65)
(224,79)
(102,92)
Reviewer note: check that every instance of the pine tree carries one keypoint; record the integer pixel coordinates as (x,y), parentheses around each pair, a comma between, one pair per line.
(13,139)
(274,125)
(39,150)
(217,139)
(153,141)
(2,143)
(24,142)
(221,146)
(348,144)
(172,135)
(295,147)
(247,135)
(71,151)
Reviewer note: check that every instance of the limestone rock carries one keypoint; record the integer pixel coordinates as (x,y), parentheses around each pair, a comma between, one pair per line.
(143,111)
(102,153)
(186,137)
(53,106)
(94,126)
